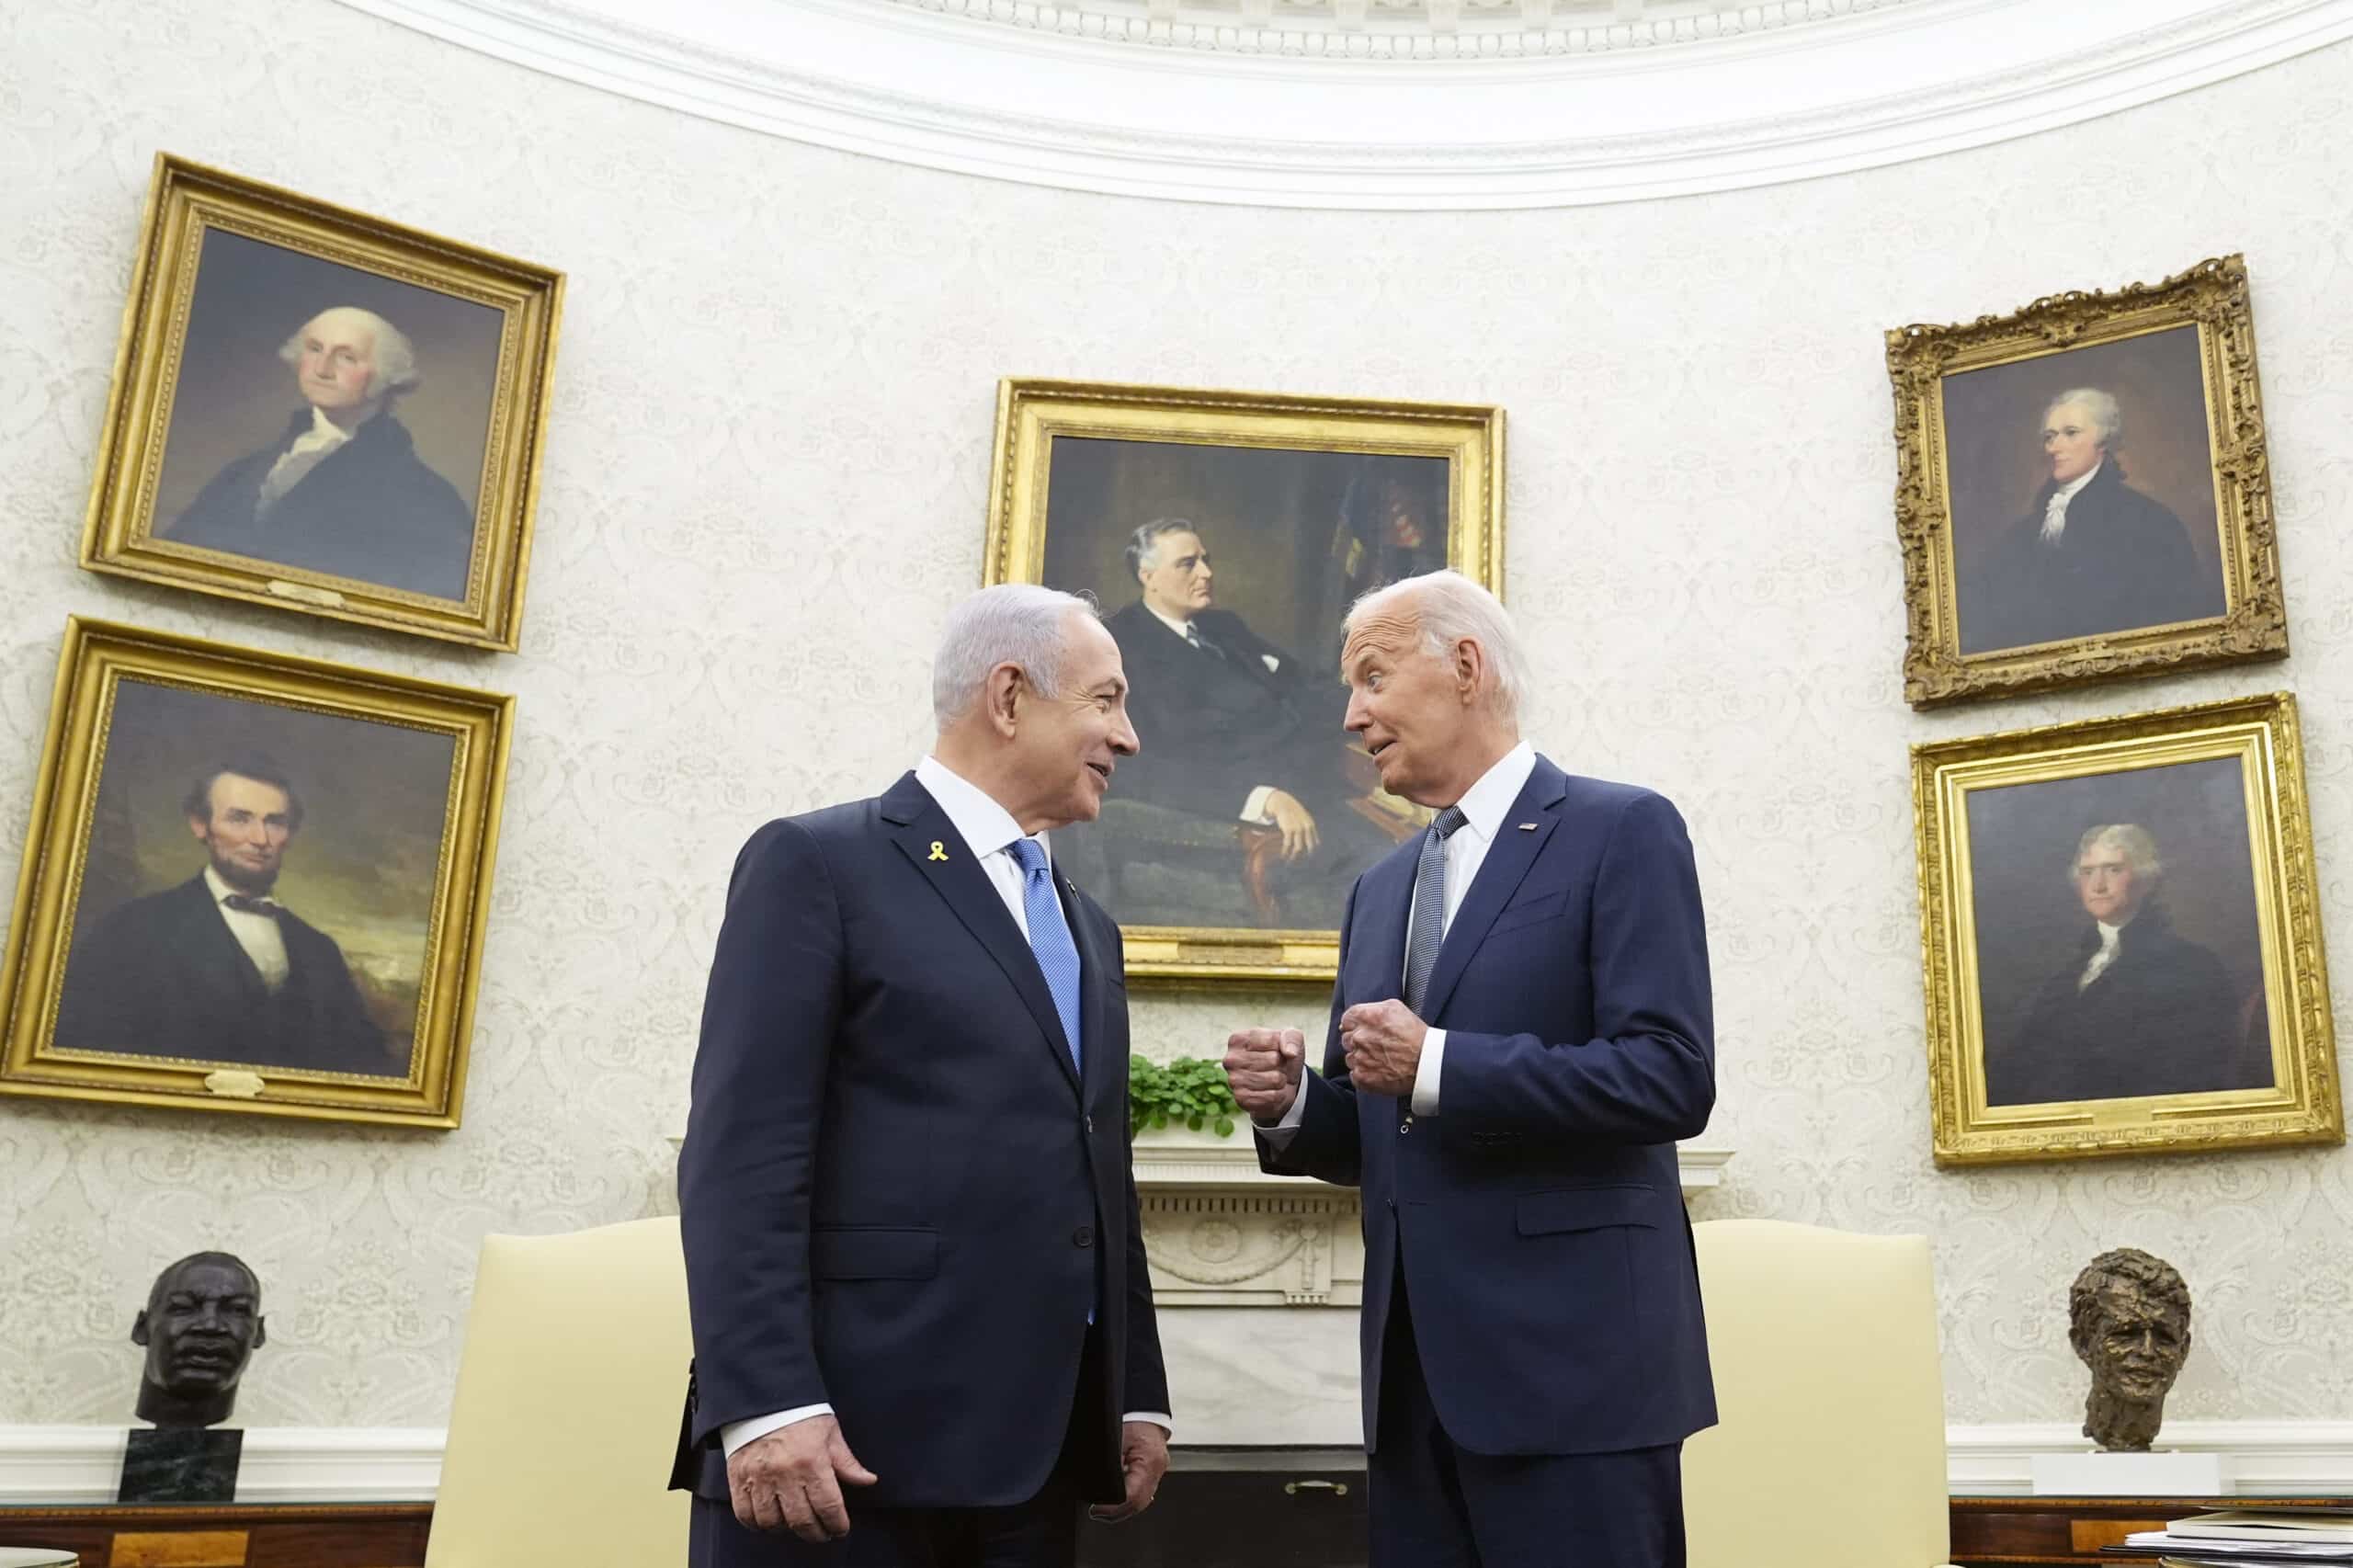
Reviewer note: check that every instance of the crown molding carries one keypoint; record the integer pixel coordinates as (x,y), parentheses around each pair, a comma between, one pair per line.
(1171,119)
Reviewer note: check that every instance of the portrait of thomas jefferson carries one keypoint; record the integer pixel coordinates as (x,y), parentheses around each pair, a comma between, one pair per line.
(219,968)
(2131,1007)
(2093,555)
(340,488)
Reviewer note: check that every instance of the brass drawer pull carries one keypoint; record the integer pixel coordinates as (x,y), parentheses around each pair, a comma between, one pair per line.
(1336,1488)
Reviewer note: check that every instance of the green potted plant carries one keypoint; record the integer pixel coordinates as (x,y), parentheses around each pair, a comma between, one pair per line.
(1187,1093)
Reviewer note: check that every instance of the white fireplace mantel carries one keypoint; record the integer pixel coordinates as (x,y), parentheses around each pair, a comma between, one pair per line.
(1221,1232)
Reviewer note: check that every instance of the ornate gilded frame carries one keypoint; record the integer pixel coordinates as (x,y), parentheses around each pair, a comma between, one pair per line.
(1030,413)
(97,657)
(2303,1107)
(186,200)
(2212,296)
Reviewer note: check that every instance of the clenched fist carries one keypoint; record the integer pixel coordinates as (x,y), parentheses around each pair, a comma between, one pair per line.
(1383,1042)
(1262,1067)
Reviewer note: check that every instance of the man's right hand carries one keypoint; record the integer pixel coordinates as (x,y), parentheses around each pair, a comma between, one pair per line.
(1297,823)
(1262,1067)
(790,1479)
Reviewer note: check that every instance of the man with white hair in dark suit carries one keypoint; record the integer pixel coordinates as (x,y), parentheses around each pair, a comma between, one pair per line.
(342,491)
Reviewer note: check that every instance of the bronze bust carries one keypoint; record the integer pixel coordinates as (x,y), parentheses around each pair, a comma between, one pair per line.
(2128,1318)
(203,1321)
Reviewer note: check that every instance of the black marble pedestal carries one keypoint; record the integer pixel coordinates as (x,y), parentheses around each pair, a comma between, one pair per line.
(181,1464)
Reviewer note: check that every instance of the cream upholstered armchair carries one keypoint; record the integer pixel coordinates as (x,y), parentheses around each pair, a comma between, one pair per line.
(1829,1451)
(567,1404)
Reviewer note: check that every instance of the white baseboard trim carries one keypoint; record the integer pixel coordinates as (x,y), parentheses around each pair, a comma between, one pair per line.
(2279,1458)
(393,1464)
(278,1464)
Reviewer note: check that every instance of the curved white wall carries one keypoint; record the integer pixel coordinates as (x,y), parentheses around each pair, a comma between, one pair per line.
(764,487)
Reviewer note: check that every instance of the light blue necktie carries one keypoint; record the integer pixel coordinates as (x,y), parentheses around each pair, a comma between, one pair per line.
(1429,930)
(1049,937)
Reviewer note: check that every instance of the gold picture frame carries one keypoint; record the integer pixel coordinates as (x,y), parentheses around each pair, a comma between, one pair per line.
(2019,579)
(419,517)
(2208,1028)
(1303,501)
(355,813)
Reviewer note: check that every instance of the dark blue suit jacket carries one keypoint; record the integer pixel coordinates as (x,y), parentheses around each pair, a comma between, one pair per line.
(1555,1297)
(896,1194)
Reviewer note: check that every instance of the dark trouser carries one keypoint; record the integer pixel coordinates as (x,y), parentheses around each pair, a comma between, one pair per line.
(1040,1533)
(1436,1504)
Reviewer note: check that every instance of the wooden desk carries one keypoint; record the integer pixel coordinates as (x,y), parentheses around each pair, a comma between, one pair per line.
(1302,1509)
(2072,1529)
(255,1535)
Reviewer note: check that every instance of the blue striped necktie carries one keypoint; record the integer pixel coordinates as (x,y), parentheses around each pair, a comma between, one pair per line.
(1049,938)
(1428,932)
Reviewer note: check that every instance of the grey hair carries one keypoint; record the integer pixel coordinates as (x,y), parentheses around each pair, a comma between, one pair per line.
(1145,541)
(2139,845)
(393,356)
(1451,608)
(1012,623)
(2106,417)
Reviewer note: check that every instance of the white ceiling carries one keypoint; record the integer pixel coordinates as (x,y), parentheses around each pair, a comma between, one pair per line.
(1400,103)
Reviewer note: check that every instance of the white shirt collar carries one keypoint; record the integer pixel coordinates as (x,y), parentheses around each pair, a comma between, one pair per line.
(222,890)
(324,432)
(1484,803)
(1176,626)
(984,825)
(2067,491)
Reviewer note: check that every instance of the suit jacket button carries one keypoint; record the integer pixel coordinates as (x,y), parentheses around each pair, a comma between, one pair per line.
(1084,1236)
(1090,1127)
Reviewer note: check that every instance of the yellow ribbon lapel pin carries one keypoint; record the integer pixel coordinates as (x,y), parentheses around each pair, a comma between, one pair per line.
(938,851)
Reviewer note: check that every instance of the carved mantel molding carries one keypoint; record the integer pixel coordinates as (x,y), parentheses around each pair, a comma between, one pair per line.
(1221,1232)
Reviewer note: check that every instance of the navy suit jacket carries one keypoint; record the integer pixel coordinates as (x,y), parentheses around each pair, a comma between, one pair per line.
(1556,1295)
(896,1195)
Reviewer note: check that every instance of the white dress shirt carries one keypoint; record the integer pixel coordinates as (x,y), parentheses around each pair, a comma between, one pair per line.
(2054,512)
(2108,948)
(988,831)
(1484,805)
(1254,807)
(311,448)
(260,935)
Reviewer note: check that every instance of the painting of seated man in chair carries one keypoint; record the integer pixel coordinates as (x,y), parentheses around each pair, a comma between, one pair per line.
(1229,843)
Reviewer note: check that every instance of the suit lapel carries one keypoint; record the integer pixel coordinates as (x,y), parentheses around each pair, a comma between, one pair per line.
(1509,858)
(1384,902)
(225,954)
(939,854)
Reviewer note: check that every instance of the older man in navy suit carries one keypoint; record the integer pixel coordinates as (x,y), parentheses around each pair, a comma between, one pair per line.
(1520,1032)
(913,1260)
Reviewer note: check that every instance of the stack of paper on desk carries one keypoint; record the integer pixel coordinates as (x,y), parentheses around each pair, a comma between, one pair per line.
(2250,1536)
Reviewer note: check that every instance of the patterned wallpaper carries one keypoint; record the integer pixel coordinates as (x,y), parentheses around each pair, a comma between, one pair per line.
(764,486)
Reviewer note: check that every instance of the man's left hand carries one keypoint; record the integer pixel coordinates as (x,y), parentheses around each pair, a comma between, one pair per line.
(1383,1041)
(1144,1459)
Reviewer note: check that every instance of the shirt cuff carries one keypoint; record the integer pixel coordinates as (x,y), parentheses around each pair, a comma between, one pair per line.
(735,1433)
(1254,809)
(1426,1076)
(1157,1417)
(1283,1131)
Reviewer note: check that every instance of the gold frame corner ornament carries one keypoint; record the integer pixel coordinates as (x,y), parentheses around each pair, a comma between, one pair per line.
(2213,297)
(2305,1104)
(95,657)
(1031,412)
(184,202)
